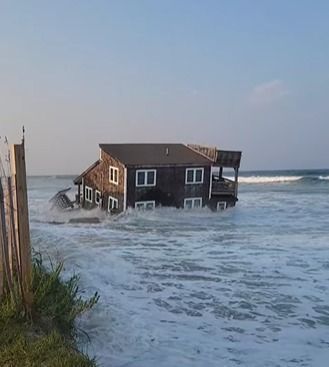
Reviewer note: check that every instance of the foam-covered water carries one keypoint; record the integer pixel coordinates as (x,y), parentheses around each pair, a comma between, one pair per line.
(243,287)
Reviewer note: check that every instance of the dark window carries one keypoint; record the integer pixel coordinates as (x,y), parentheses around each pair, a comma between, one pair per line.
(192,203)
(150,177)
(190,175)
(145,205)
(198,175)
(197,203)
(97,197)
(140,178)
(145,177)
(188,204)
(113,203)
(114,175)
(149,206)
(194,176)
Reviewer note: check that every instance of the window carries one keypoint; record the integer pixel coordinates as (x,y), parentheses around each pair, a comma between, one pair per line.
(145,205)
(98,197)
(88,194)
(145,177)
(221,205)
(114,175)
(113,203)
(192,203)
(194,175)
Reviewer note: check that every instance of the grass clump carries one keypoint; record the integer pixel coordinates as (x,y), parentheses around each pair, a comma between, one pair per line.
(48,336)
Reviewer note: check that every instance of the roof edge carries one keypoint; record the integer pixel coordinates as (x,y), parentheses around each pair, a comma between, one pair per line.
(198,149)
(78,179)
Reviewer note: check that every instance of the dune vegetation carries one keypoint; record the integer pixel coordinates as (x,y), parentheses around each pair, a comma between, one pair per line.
(47,336)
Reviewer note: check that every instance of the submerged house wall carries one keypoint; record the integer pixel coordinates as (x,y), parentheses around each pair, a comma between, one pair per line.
(170,188)
(99,179)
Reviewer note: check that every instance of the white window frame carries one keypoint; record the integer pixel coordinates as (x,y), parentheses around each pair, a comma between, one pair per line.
(193,202)
(194,175)
(114,200)
(114,169)
(146,171)
(219,203)
(137,203)
(98,202)
(91,191)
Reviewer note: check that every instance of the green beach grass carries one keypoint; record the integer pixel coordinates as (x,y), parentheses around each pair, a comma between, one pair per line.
(48,336)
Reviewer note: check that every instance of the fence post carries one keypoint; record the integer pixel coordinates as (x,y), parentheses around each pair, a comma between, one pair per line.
(18,170)
(12,231)
(4,242)
(2,274)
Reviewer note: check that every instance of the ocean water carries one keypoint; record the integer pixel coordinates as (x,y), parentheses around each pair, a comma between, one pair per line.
(245,287)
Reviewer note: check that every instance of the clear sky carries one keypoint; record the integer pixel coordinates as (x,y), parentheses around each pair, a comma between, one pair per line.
(250,75)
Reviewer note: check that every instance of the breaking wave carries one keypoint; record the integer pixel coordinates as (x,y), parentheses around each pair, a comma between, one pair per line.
(280,179)
(268,179)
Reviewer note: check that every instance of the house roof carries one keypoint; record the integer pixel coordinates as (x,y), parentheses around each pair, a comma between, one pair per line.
(78,180)
(155,154)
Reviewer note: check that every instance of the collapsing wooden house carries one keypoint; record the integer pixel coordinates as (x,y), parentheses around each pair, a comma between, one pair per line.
(145,176)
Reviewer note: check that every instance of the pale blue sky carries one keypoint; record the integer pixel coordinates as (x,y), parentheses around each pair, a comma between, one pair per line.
(249,75)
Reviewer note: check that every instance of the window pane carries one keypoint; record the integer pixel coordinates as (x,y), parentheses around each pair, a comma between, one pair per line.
(115,175)
(115,204)
(111,174)
(188,204)
(197,203)
(140,178)
(150,178)
(149,206)
(198,175)
(140,205)
(189,175)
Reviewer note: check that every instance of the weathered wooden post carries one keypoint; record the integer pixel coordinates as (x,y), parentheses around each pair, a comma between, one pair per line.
(236,181)
(18,171)
(2,274)
(6,274)
(12,230)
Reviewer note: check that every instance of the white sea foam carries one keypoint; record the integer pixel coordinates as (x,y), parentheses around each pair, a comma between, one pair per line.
(243,287)
(326,178)
(267,179)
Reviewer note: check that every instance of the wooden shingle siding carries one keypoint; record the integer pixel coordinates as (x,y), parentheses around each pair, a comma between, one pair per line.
(170,188)
(98,179)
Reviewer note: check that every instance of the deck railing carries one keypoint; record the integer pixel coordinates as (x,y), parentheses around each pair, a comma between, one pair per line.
(222,186)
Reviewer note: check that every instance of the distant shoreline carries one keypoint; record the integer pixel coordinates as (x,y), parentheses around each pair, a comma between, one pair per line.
(243,172)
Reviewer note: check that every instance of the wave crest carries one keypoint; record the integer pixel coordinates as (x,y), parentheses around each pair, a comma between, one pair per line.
(268,179)
(280,179)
